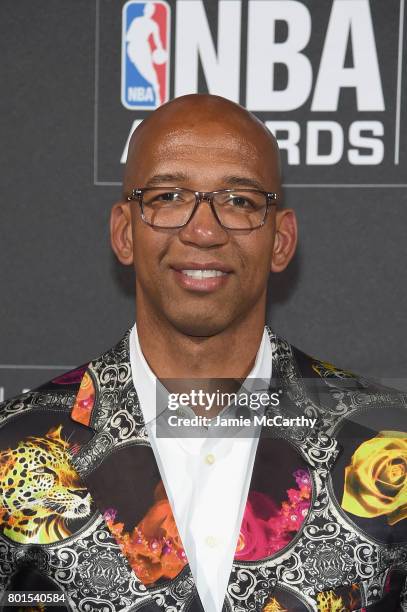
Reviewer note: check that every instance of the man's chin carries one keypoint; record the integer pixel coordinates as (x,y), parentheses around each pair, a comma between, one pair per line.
(197,327)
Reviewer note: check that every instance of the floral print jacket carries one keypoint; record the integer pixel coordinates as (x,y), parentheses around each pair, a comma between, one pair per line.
(84,512)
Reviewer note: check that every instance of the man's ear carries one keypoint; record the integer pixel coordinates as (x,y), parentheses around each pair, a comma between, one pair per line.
(121,238)
(285,240)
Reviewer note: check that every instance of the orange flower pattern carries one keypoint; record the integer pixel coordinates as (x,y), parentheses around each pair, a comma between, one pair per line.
(154,548)
(85,399)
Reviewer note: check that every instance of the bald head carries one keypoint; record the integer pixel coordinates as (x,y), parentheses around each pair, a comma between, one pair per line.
(201,120)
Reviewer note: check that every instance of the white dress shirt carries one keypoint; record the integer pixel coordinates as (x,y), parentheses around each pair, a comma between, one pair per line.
(206,480)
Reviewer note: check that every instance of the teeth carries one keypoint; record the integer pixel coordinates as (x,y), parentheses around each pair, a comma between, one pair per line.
(203,273)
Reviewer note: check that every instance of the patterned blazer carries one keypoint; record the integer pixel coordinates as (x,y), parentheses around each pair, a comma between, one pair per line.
(84,513)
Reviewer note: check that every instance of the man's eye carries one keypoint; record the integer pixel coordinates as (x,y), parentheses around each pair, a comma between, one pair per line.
(170,196)
(240,202)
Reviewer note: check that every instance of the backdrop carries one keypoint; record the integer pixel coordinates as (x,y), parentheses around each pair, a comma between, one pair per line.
(327,76)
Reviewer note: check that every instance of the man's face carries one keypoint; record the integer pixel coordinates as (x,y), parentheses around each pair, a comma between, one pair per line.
(204,155)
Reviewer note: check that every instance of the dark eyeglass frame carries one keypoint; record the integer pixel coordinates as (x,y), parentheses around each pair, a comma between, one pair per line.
(138,192)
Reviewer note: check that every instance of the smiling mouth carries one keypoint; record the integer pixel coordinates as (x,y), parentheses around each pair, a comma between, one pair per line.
(201,279)
(201,274)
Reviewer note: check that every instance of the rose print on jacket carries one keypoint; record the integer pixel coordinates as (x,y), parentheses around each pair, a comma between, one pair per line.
(376,479)
(266,528)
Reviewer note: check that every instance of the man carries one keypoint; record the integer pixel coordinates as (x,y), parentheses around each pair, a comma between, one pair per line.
(97,507)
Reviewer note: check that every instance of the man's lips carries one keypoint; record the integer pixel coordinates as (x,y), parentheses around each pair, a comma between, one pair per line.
(205,277)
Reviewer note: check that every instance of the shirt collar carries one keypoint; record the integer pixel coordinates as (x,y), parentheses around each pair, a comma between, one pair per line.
(145,380)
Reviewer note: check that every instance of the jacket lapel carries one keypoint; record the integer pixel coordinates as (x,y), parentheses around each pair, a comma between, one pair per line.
(284,483)
(119,469)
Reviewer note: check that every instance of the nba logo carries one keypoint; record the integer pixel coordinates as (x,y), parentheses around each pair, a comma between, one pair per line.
(145,54)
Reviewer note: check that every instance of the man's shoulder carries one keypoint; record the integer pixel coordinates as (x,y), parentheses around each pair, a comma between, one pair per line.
(61,391)
(58,393)
(63,396)
(292,363)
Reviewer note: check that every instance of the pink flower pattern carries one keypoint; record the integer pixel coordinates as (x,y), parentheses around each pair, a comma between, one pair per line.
(267,528)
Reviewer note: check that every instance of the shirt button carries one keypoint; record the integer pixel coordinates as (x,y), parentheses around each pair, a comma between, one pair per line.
(211,541)
(210,458)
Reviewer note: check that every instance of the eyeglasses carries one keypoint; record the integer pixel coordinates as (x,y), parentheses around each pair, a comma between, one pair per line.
(174,207)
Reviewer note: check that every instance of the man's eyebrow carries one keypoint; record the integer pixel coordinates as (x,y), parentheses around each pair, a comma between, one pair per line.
(243,181)
(171,179)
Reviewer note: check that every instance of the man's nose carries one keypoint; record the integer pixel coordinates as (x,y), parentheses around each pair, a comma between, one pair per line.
(204,229)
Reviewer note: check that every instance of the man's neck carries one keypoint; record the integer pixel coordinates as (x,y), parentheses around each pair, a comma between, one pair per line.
(172,354)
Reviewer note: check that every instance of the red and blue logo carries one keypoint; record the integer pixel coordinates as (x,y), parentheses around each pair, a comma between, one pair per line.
(145,54)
